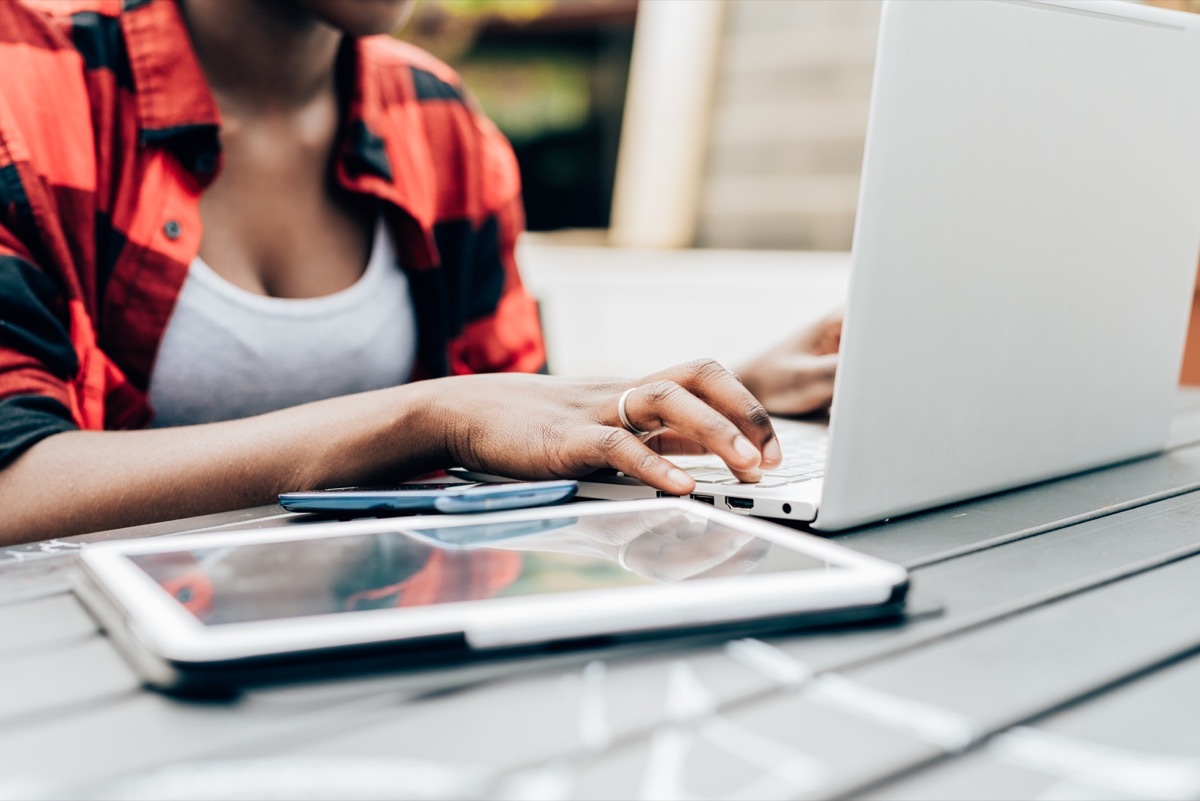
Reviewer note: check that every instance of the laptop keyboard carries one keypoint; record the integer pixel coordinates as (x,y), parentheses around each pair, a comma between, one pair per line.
(803,460)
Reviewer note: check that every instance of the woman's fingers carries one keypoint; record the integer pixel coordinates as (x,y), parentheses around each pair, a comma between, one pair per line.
(622,451)
(823,337)
(721,390)
(666,404)
(803,384)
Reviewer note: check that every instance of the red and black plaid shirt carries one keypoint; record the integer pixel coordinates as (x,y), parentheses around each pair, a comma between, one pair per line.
(108,137)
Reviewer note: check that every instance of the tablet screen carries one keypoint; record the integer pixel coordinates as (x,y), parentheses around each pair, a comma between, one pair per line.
(417,565)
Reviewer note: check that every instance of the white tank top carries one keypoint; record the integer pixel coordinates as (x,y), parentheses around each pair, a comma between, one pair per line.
(229,353)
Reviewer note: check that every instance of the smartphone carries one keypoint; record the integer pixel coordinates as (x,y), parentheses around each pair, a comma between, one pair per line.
(456,498)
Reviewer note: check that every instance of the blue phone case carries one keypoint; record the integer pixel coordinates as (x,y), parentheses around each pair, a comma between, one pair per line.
(448,500)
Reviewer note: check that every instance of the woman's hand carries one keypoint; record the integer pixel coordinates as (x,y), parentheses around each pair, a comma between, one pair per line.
(796,376)
(538,427)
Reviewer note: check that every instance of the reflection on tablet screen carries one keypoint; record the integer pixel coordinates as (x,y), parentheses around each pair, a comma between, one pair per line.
(420,566)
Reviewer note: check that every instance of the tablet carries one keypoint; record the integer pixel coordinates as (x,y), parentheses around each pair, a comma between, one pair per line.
(216,611)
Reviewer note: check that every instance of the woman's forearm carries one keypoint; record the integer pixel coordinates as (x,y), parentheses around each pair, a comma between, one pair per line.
(524,426)
(81,481)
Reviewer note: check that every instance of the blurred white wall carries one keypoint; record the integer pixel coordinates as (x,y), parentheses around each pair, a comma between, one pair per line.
(630,311)
(789,119)
(744,123)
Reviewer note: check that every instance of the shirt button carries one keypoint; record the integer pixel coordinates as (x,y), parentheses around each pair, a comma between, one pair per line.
(172,229)
(206,162)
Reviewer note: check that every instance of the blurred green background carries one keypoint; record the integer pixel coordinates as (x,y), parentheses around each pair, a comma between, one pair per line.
(552,75)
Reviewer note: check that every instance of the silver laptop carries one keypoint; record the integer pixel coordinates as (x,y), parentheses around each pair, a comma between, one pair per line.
(1024,257)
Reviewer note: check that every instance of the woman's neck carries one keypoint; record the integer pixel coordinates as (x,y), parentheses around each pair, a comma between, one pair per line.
(263,55)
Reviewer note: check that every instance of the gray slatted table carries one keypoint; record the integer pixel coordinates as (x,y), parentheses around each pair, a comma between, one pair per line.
(1052,654)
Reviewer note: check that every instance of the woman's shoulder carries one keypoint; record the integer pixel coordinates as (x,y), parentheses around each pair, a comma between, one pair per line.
(46,97)
(60,24)
(405,74)
(392,60)
(49,47)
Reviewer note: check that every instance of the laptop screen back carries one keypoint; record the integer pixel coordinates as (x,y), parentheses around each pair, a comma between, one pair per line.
(1024,254)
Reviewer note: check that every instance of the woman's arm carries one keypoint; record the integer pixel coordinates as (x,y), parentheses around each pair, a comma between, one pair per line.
(79,481)
(524,426)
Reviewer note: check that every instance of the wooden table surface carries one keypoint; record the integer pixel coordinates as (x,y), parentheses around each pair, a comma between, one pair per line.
(1051,653)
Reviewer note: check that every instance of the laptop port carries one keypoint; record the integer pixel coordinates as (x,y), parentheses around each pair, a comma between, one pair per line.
(739,503)
(704,499)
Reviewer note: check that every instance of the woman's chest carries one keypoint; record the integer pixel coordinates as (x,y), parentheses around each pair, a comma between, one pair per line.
(276,224)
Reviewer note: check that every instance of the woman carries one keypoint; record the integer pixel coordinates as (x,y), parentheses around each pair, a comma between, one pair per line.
(202,203)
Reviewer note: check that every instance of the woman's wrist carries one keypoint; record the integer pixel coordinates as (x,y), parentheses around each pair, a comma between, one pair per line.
(381,436)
